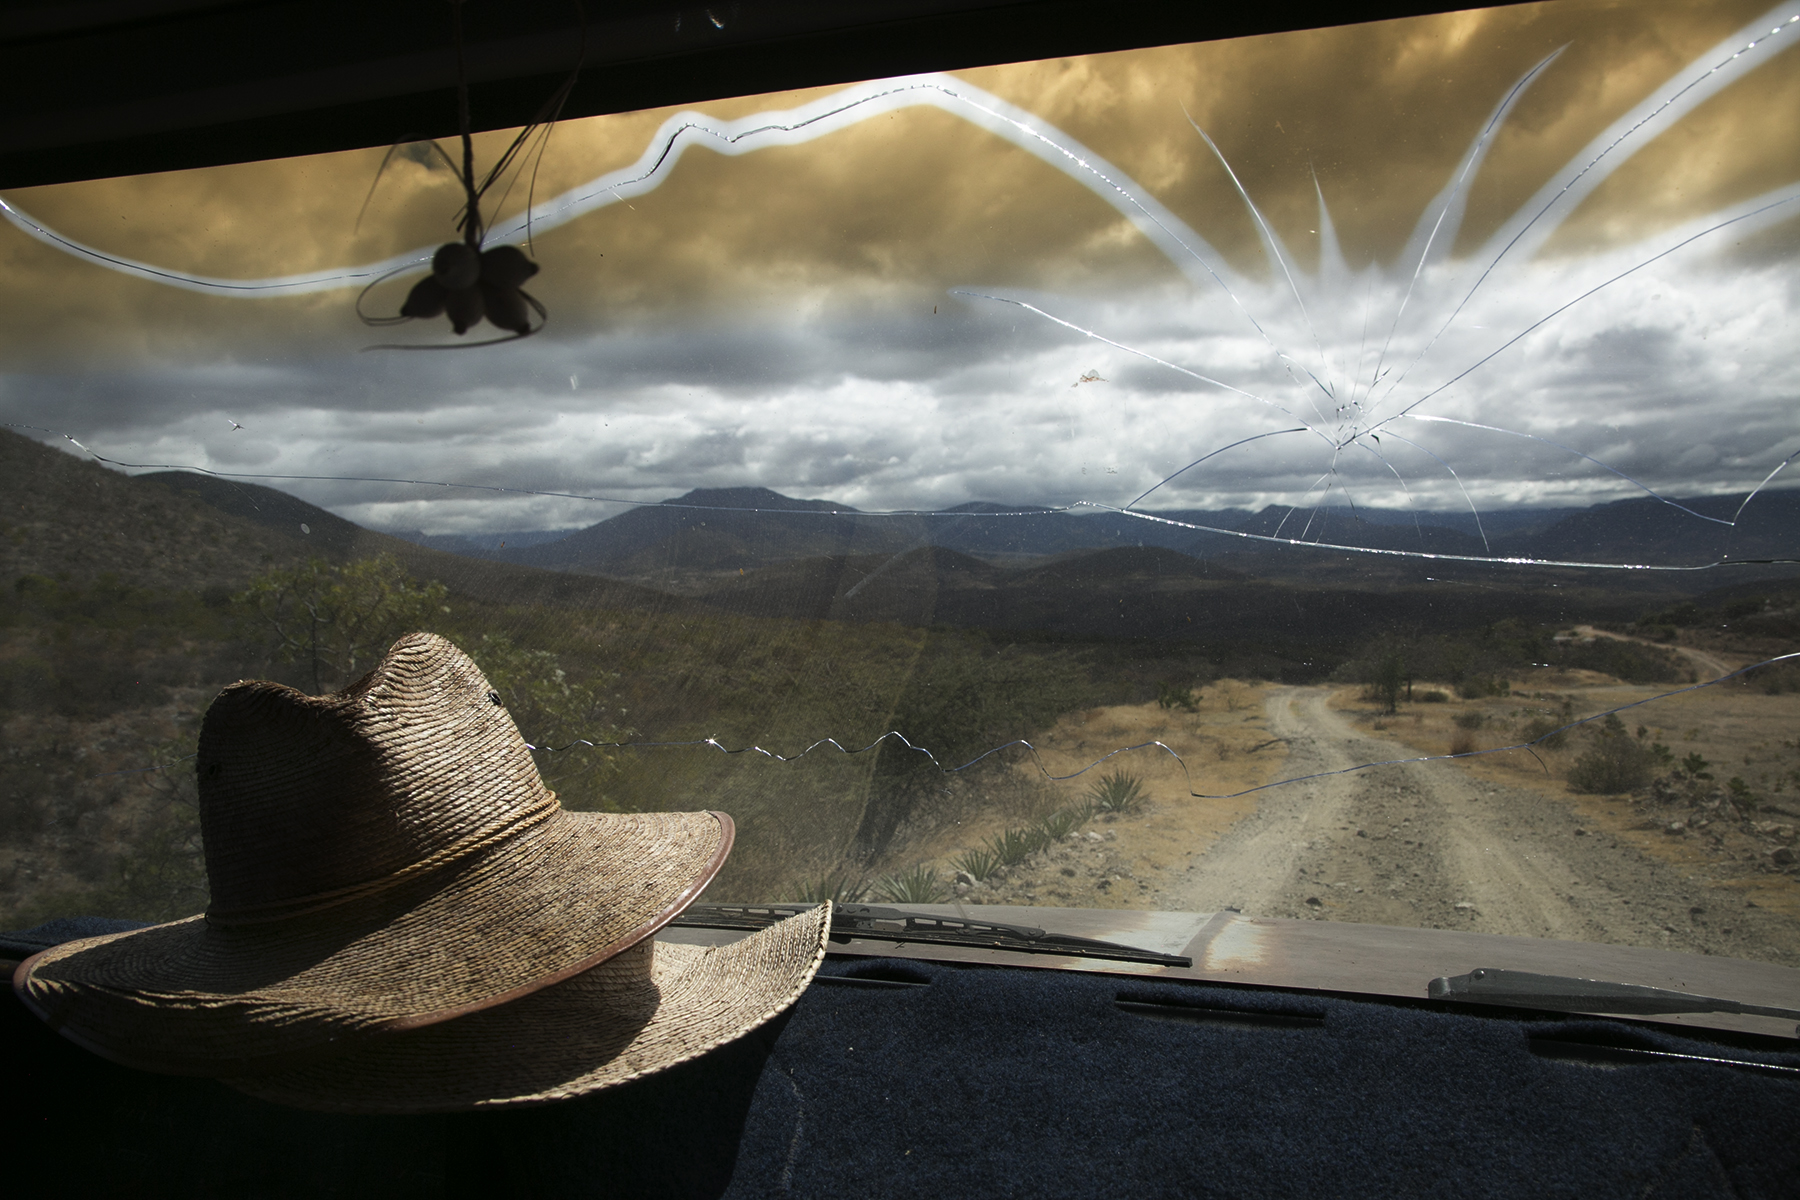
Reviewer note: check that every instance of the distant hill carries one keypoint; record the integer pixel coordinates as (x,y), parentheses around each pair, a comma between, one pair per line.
(313,529)
(1142,566)
(1649,530)
(729,529)
(63,516)
(754,551)
(184,531)
(1136,593)
(725,529)
(714,529)
(1340,526)
(481,543)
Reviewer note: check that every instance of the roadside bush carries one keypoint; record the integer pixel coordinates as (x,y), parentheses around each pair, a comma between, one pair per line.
(1775,678)
(1462,742)
(1470,720)
(335,621)
(1547,732)
(1613,762)
(1632,662)
(1694,767)
(1741,795)
(1550,730)
(1170,695)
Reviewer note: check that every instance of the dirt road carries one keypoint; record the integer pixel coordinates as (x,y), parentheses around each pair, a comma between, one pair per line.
(1429,845)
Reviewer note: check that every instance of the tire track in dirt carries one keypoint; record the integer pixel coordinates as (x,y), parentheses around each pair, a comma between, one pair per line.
(1430,845)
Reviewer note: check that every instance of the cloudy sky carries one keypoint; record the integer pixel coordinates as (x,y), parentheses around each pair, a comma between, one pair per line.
(1543,254)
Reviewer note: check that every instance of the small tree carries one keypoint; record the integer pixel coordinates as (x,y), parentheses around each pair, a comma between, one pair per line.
(1614,760)
(556,715)
(1172,695)
(1389,680)
(161,873)
(338,620)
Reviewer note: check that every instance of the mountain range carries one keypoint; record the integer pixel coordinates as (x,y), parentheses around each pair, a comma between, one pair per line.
(758,553)
(727,529)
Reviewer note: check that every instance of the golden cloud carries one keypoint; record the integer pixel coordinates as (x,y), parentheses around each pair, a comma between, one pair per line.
(913,202)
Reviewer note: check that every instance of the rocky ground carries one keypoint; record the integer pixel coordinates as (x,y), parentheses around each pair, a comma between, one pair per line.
(1437,845)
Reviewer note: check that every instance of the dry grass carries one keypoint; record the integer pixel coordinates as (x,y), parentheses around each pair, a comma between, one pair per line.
(1225,746)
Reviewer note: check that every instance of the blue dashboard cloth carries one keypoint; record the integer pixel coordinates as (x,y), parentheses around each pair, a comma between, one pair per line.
(986,1083)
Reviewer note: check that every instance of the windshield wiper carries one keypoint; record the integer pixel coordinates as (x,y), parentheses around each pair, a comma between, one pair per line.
(1564,993)
(894,925)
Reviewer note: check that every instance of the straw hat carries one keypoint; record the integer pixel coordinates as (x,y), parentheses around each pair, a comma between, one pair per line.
(386,859)
(646,1008)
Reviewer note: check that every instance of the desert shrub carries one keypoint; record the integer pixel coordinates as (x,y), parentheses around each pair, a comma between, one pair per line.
(335,621)
(1548,732)
(1613,762)
(1470,720)
(1170,695)
(26,682)
(964,697)
(1741,794)
(1462,742)
(1694,767)
(556,715)
(1632,662)
(1433,696)
(1477,687)
(1775,678)
(1682,614)
(1117,793)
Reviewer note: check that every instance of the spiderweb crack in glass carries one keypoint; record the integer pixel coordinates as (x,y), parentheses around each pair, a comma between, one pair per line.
(1463,381)
(1427,253)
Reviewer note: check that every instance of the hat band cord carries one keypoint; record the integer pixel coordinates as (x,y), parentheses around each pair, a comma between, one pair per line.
(300,906)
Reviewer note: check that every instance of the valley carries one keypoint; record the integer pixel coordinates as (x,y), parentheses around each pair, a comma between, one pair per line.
(733,641)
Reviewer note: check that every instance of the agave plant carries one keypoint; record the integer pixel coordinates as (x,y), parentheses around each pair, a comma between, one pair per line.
(1117,793)
(917,886)
(1061,823)
(978,863)
(1014,846)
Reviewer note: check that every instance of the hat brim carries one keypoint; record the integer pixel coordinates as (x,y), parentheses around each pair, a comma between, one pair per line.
(596,1030)
(196,997)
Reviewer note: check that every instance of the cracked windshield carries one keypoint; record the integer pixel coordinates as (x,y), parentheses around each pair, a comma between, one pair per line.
(1341,475)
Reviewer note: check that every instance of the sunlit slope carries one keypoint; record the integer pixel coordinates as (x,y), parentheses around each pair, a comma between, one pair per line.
(63,517)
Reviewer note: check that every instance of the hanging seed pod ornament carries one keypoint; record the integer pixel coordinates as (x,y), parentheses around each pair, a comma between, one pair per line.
(469,284)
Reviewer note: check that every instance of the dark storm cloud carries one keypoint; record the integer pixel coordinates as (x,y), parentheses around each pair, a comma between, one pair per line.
(768,318)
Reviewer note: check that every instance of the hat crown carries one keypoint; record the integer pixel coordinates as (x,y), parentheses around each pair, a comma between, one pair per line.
(304,796)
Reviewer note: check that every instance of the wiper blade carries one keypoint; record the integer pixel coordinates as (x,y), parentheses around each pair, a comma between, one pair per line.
(1564,993)
(895,925)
